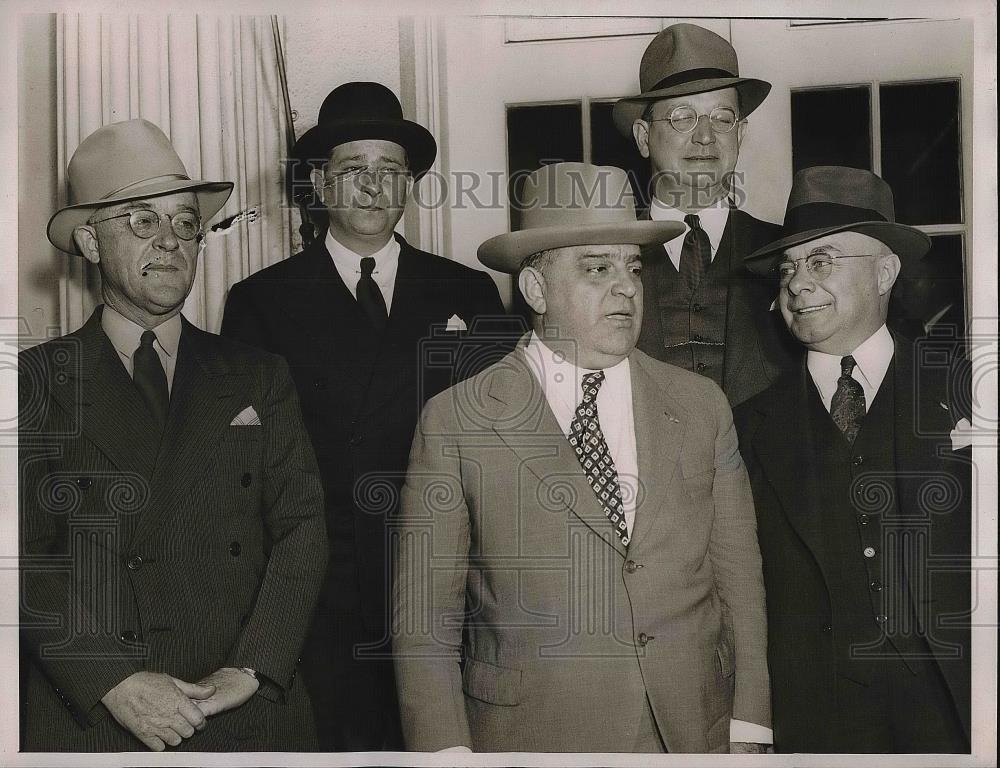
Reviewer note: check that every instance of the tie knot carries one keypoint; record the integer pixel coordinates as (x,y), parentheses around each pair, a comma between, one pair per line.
(591,385)
(692,220)
(147,339)
(847,365)
(367,266)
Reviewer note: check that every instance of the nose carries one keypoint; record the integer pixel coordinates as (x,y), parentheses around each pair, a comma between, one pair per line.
(369,182)
(165,239)
(801,281)
(703,133)
(627,284)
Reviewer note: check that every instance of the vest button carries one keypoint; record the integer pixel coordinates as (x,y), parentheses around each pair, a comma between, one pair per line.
(83,483)
(234,549)
(355,440)
(860,490)
(869,552)
(863,519)
(827,628)
(134,563)
(881,619)
(858,461)
(128,636)
(876,586)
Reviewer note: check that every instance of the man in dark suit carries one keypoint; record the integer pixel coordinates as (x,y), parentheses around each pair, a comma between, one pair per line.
(371,327)
(860,468)
(171,532)
(705,312)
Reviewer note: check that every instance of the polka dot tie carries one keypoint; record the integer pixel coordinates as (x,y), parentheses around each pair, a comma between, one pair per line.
(591,449)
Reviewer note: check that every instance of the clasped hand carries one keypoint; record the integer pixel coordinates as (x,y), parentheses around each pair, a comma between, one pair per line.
(161,710)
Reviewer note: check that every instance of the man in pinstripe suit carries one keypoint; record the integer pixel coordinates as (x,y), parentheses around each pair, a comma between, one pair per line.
(172,537)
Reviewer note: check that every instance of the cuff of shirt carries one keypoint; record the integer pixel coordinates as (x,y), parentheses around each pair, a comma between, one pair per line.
(741,730)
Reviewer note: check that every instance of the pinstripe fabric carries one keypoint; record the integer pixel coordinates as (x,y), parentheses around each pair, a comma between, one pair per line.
(204,551)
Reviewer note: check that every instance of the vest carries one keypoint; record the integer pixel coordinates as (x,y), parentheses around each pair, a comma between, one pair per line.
(694,322)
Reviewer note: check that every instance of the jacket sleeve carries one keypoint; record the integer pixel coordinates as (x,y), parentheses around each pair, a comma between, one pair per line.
(736,563)
(428,596)
(243,320)
(293,516)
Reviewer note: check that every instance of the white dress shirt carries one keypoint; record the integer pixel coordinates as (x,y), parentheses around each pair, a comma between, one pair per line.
(125,336)
(872,357)
(562,382)
(348,264)
(713,221)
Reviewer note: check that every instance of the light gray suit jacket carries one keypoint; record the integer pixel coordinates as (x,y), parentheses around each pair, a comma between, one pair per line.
(520,621)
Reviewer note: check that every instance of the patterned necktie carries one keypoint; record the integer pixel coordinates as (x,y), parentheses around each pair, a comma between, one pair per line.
(591,448)
(848,405)
(149,378)
(696,252)
(370,297)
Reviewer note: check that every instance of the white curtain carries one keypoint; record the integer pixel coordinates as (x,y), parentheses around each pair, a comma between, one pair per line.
(211,84)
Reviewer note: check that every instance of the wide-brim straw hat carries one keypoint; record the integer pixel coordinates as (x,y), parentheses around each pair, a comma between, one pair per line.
(361,110)
(120,162)
(566,204)
(827,199)
(682,60)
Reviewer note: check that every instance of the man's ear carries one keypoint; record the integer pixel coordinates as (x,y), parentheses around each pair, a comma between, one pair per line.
(640,132)
(888,271)
(741,132)
(318,182)
(86,241)
(532,285)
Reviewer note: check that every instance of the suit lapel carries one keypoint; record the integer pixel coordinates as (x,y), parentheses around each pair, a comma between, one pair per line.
(527,426)
(659,434)
(112,414)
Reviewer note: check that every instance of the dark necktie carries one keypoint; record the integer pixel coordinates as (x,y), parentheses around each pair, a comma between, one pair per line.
(848,404)
(370,297)
(696,252)
(150,380)
(591,448)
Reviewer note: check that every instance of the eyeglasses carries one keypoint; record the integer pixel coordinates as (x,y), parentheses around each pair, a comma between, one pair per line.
(392,174)
(818,265)
(684,119)
(145,223)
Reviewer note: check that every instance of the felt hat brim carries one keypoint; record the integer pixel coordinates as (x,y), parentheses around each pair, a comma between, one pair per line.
(421,148)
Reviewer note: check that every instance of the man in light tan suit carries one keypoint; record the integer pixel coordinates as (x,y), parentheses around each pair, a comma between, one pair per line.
(578,567)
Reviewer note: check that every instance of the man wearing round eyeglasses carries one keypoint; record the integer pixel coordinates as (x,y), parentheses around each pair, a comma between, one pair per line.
(707,313)
(371,328)
(172,544)
(860,467)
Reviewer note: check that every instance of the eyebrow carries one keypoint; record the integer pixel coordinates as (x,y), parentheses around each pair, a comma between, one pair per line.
(364,159)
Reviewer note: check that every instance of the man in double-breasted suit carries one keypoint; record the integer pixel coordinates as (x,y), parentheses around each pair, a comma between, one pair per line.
(172,540)
(704,311)
(577,565)
(371,327)
(860,465)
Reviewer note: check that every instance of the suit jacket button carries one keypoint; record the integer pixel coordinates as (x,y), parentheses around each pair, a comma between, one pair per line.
(876,586)
(632,566)
(134,563)
(869,552)
(246,479)
(881,619)
(355,441)
(319,384)
(83,483)
(827,628)
(697,307)
(701,366)
(644,639)
(858,461)
(128,636)
(863,519)
(235,549)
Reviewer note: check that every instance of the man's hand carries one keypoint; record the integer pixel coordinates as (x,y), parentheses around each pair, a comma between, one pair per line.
(157,708)
(233,687)
(750,748)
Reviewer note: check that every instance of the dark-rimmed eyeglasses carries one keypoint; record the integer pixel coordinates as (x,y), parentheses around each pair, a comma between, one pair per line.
(818,265)
(392,174)
(145,223)
(684,119)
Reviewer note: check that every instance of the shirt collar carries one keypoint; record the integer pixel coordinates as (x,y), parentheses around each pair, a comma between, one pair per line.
(559,376)
(713,220)
(351,261)
(872,357)
(125,335)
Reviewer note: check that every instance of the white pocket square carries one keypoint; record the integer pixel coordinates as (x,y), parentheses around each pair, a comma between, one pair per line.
(961,435)
(246,418)
(455,323)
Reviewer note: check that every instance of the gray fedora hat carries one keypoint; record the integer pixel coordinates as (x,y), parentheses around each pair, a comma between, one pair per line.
(567,204)
(131,160)
(685,59)
(826,199)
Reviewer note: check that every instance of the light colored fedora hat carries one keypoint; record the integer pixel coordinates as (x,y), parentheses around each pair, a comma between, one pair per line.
(826,199)
(684,59)
(566,204)
(126,161)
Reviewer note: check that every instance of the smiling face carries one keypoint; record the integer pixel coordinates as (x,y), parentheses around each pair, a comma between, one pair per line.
(364,187)
(836,314)
(590,296)
(693,170)
(146,280)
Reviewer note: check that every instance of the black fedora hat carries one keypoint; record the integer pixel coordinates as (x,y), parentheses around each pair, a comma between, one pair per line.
(684,59)
(360,110)
(826,199)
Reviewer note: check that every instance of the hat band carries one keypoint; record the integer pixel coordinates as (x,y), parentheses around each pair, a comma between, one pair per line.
(691,75)
(810,216)
(146,182)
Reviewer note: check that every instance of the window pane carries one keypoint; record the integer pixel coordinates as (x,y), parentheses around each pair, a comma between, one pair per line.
(538,135)
(921,156)
(832,126)
(608,147)
(930,293)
